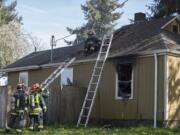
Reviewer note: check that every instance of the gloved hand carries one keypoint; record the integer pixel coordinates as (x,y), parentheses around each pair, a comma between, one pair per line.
(44,109)
(26,109)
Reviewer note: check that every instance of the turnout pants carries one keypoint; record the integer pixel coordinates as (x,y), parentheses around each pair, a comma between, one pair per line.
(36,119)
(17,120)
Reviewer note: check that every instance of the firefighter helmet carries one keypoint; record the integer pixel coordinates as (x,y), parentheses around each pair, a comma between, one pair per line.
(37,85)
(91,32)
(20,85)
(33,88)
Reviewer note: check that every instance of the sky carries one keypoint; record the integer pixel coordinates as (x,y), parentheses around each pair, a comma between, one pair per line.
(43,18)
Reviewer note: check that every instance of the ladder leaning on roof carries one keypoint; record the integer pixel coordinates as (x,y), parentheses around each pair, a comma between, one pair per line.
(95,80)
(57,72)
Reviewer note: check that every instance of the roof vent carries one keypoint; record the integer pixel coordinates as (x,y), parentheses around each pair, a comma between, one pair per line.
(139,17)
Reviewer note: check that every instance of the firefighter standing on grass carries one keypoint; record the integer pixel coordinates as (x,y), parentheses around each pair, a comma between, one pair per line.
(18,109)
(37,107)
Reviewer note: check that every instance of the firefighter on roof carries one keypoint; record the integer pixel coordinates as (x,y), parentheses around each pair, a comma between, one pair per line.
(18,108)
(92,43)
(36,108)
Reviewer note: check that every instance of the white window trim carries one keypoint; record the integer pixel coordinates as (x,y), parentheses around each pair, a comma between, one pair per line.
(72,76)
(117,87)
(27,77)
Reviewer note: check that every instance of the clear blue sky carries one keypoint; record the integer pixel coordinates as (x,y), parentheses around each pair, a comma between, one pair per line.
(43,18)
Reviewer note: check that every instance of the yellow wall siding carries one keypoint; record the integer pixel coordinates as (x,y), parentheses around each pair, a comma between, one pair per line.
(13,79)
(112,108)
(174,88)
(145,88)
(106,106)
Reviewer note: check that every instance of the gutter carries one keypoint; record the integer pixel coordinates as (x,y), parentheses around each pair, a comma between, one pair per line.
(44,66)
(155,89)
(20,68)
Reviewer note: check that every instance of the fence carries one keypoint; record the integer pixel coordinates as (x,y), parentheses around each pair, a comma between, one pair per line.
(63,106)
(3,102)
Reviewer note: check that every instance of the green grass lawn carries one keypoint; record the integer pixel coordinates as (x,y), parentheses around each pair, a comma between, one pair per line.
(71,130)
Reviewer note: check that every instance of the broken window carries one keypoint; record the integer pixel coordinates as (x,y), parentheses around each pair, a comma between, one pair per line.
(124,81)
(67,77)
(23,77)
(175,28)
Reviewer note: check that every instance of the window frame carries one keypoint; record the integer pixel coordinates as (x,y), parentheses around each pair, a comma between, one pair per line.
(177,29)
(72,76)
(24,72)
(117,85)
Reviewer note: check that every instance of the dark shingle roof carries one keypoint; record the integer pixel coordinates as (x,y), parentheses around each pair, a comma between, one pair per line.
(128,40)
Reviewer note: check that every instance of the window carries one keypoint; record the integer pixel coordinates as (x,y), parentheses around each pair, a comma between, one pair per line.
(124,81)
(23,77)
(67,77)
(175,28)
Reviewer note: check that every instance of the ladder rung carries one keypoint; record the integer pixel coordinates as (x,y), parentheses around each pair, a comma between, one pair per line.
(96,75)
(91,91)
(93,83)
(82,124)
(98,67)
(89,99)
(86,107)
(48,79)
(102,52)
(101,60)
(94,80)
(105,44)
(98,64)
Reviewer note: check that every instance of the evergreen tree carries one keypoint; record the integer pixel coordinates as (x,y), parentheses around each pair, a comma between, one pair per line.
(100,16)
(163,8)
(8,12)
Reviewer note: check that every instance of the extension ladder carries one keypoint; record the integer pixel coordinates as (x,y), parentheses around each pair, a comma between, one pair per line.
(95,80)
(56,73)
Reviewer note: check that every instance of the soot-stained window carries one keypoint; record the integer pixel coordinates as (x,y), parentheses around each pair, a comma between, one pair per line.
(124,81)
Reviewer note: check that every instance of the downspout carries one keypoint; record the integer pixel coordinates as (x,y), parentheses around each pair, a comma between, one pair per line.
(165,90)
(155,89)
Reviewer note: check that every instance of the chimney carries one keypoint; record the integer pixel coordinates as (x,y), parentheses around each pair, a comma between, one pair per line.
(178,6)
(139,17)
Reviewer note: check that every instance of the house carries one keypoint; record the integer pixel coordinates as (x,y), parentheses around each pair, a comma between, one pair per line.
(140,82)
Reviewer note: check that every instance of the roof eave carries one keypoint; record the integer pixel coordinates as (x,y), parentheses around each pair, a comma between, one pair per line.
(170,22)
(161,51)
(21,68)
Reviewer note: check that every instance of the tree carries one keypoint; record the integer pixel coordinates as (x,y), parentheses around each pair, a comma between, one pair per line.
(100,16)
(15,43)
(163,8)
(8,12)
(12,43)
(34,43)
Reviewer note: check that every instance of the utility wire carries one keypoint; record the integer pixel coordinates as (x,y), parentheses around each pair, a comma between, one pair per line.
(64,37)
